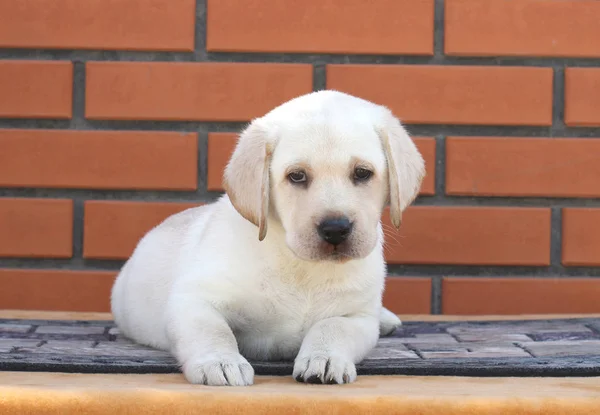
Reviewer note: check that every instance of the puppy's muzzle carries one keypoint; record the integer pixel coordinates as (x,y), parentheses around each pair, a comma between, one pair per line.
(335,231)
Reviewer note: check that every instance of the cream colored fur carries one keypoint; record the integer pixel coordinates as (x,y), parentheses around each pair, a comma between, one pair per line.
(248,277)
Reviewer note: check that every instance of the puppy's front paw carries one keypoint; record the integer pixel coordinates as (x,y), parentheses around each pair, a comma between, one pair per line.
(233,370)
(323,368)
(388,322)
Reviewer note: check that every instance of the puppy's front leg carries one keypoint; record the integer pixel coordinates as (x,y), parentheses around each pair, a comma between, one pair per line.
(333,346)
(205,346)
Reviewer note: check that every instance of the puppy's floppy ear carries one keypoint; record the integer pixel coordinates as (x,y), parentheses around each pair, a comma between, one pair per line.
(406,167)
(246,177)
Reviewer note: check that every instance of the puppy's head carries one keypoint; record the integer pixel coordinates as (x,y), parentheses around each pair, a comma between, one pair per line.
(324,165)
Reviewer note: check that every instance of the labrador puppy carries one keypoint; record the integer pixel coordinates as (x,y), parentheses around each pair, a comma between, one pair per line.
(288,264)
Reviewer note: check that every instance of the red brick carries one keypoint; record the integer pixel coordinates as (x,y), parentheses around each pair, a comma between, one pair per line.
(470,236)
(112,230)
(509,296)
(99,24)
(36,89)
(427,148)
(582,96)
(220,148)
(315,26)
(191,91)
(563,28)
(554,167)
(36,228)
(221,145)
(56,290)
(432,94)
(581,237)
(404,295)
(98,159)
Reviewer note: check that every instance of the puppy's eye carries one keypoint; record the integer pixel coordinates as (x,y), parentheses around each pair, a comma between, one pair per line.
(297,177)
(361,174)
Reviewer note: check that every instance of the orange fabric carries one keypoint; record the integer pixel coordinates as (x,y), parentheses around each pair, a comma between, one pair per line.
(58,393)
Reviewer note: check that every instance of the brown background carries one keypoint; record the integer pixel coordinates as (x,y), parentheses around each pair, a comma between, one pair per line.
(114,115)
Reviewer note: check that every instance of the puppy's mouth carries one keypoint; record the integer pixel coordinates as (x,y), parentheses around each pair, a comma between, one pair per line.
(336,253)
(321,251)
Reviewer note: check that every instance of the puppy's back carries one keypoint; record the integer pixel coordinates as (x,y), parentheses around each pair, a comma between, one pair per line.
(142,287)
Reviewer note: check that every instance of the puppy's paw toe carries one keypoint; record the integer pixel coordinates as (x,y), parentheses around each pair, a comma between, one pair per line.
(324,369)
(219,371)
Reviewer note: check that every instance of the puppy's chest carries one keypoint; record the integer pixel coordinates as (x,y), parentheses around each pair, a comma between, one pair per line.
(273,323)
(294,309)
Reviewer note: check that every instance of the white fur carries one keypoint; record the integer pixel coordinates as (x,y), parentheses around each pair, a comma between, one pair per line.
(204,287)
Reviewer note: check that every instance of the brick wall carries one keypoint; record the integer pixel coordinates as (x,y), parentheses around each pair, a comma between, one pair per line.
(114,115)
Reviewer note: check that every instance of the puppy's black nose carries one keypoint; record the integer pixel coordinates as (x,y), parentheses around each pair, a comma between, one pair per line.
(334,231)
